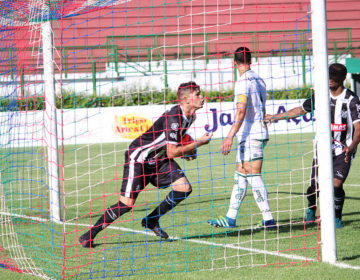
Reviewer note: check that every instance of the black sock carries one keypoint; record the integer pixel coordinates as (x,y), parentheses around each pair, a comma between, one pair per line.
(339,198)
(170,201)
(110,215)
(311,196)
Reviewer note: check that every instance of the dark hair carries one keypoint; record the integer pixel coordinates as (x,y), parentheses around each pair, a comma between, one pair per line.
(337,72)
(242,55)
(186,88)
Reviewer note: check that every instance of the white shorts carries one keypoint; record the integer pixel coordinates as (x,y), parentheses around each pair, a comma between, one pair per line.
(250,150)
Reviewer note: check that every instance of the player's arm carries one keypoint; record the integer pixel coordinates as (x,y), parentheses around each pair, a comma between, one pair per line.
(293,113)
(238,120)
(307,107)
(355,141)
(355,113)
(174,151)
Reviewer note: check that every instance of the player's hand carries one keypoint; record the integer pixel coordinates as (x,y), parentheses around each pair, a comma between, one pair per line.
(190,156)
(226,146)
(205,139)
(348,153)
(268,119)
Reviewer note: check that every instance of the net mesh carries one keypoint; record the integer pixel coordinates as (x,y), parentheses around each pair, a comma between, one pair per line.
(117,68)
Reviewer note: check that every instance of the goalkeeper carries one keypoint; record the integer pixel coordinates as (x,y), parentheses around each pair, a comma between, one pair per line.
(249,103)
(345,131)
(150,159)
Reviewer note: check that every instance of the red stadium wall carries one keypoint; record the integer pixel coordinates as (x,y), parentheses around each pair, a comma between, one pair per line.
(270,19)
(261,25)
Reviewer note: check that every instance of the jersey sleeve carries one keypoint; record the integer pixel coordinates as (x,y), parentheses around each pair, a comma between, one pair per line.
(309,104)
(240,92)
(355,109)
(172,130)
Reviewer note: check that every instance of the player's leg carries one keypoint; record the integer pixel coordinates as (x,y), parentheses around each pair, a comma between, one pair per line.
(339,199)
(253,171)
(254,154)
(237,195)
(133,182)
(168,173)
(341,171)
(312,193)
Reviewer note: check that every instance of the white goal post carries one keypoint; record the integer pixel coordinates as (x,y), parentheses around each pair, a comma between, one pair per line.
(50,120)
(323,133)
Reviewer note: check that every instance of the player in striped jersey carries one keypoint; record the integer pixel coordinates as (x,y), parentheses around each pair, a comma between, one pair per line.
(249,106)
(150,159)
(345,130)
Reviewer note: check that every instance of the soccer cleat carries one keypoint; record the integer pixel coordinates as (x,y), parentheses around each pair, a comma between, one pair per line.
(269,224)
(155,227)
(310,215)
(85,241)
(224,222)
(338,223)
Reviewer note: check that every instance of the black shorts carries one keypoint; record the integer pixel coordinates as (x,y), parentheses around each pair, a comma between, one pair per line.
(341,169)
(160,173)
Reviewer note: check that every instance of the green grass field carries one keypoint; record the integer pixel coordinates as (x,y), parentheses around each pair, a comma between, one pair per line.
(92,181)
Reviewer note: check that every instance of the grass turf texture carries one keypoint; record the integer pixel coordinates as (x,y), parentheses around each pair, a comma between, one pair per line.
(125,248)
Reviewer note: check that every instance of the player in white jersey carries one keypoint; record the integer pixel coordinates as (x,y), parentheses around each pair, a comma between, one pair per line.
(249,106)
(345,132)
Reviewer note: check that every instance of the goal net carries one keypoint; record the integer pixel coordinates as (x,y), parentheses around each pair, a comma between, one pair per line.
(117,66)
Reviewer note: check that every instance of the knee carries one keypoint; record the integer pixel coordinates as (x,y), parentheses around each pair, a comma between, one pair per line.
(338,185)
(243,170)
(182,185)
(128,201)
(188,189)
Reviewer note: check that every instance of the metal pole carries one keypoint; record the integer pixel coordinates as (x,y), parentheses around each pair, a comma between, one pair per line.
(323,133)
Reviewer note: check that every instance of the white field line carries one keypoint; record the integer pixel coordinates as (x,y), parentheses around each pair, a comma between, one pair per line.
(229,246)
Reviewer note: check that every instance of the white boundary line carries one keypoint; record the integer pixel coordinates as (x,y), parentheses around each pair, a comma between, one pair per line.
(229,246)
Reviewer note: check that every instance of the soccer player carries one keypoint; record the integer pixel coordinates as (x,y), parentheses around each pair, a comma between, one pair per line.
(345,130)
(249,101)
(150,159)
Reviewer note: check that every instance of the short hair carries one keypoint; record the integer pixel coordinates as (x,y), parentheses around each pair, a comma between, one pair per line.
(337,72)
(186,88)
(242,55)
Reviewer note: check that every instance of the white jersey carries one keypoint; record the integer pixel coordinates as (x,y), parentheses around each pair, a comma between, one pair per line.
(254,88)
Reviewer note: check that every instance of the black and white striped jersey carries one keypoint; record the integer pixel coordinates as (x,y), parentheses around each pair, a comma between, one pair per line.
(168,129)
(345,111)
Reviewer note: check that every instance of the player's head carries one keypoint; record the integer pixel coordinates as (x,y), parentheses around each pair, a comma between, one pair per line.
(189,93)
(337,75)
(242,56)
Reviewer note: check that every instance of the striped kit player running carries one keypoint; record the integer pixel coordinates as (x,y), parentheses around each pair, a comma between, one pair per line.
(150,159)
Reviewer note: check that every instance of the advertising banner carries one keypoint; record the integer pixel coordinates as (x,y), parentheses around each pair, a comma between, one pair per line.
(123,124)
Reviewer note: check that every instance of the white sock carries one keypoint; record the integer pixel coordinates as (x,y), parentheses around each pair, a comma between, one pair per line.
(237,195)
(261,196)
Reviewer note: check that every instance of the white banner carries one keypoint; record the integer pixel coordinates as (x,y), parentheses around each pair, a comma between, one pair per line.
(123,124)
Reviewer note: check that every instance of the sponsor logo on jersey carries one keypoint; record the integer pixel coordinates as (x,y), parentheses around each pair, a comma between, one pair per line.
(337,146)
(344,114)
(173,135)
(339,174)
(174,126)
(131,126)
(338,127)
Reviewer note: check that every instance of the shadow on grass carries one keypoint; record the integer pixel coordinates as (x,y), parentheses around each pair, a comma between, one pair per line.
(236,232)
(351,258)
